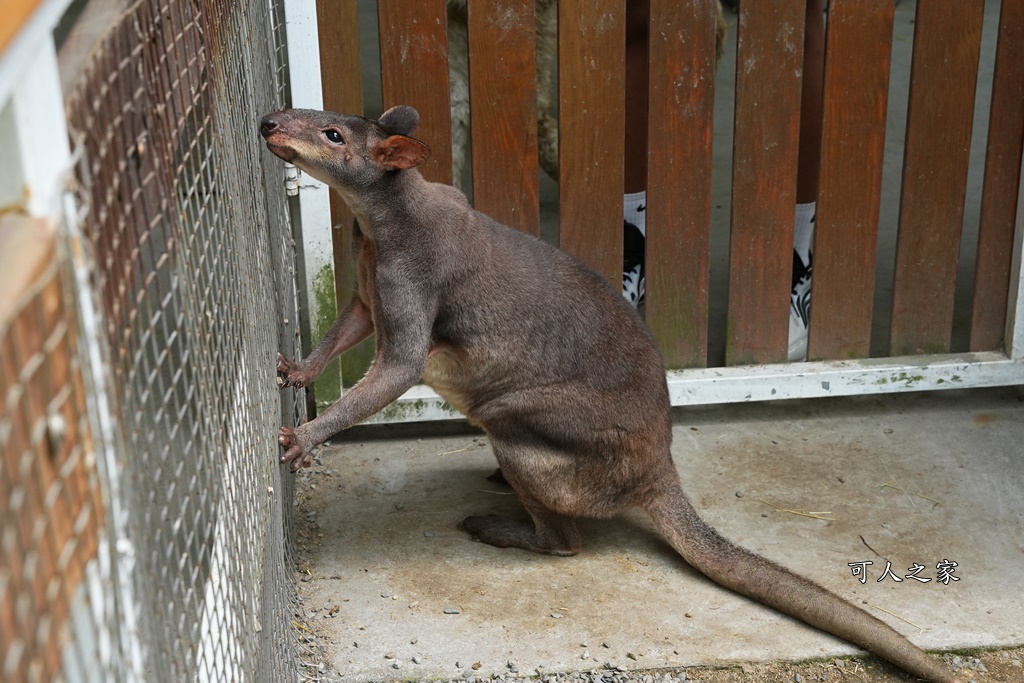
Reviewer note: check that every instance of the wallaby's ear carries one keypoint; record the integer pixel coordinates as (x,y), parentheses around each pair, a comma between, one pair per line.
(399,151)
(400,120)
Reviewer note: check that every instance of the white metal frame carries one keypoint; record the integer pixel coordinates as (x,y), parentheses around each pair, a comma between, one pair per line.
(307,93)
(38,166)
(1015,301)
(314,196)
(747,383)
(30,86)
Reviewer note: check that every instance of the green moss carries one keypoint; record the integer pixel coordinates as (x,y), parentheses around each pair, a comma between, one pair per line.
(402,411)
(356,361)
(327,387)
(410,410)
(908,380)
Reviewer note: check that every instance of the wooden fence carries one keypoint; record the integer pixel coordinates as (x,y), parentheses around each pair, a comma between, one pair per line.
(947,39)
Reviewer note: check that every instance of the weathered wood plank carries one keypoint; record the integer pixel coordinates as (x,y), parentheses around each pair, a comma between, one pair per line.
(414,71)
(338,30)
(503,102)
(943,76)
(858,46)
(592,44)
(1002,178)
(678,214)
(769,63)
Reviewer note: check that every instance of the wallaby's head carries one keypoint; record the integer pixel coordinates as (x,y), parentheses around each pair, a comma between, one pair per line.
(343,150)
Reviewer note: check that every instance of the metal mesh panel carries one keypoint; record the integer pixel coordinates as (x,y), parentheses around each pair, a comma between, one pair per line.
(189,232)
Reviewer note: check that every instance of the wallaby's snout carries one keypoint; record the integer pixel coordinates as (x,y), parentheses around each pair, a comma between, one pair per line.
(278,143)
(268,124)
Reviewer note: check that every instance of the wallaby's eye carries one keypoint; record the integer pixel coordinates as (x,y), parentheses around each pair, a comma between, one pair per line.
(334,136)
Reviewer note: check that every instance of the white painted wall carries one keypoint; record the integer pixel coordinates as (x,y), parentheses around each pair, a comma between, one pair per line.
(314,196)
(36,157)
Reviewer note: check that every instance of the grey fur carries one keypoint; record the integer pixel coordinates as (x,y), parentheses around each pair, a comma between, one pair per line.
(400,120)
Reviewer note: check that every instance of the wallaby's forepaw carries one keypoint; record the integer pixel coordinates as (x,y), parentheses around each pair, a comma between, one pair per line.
(292,374)
(296,451)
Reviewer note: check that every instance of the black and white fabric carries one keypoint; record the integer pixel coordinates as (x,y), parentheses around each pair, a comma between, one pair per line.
(634,237)
(633,279)
(800,294)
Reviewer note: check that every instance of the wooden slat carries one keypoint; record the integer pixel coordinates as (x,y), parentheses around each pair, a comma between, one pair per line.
(1002,178)
(338,29)
(503,101)
(943,75)
(414,71)
(678,214)
(769,62)
(591,52)
(859,42)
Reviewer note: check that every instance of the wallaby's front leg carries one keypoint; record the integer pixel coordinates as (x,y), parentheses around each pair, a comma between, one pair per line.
(403,344)
(384,383)
(353,326)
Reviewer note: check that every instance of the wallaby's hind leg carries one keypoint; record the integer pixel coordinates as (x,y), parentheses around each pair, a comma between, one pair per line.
(550,532)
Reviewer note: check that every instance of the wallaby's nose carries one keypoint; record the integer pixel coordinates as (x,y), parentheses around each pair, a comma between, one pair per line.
(267,125)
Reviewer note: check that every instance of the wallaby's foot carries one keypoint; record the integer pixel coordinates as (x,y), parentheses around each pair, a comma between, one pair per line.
(498,478)
(292,374)
(508,533)
(296,451)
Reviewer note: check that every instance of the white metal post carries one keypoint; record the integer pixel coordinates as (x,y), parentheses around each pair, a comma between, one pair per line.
(42,137)
(314,196)
(1015,302)
(36,34)
(30,86)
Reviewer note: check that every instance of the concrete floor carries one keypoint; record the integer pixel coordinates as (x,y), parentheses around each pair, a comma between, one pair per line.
(914,479)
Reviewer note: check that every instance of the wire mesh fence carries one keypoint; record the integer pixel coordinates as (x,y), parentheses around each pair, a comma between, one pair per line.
(189,266)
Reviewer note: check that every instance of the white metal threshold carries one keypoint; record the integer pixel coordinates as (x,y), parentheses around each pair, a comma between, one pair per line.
(708,386)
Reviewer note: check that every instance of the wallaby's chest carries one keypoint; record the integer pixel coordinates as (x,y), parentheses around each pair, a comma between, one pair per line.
(365,253)
(446,373)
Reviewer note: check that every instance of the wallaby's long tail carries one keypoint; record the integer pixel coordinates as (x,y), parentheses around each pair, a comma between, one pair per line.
(768,583)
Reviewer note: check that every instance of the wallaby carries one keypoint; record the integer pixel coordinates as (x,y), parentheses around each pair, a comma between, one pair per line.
(531,346)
